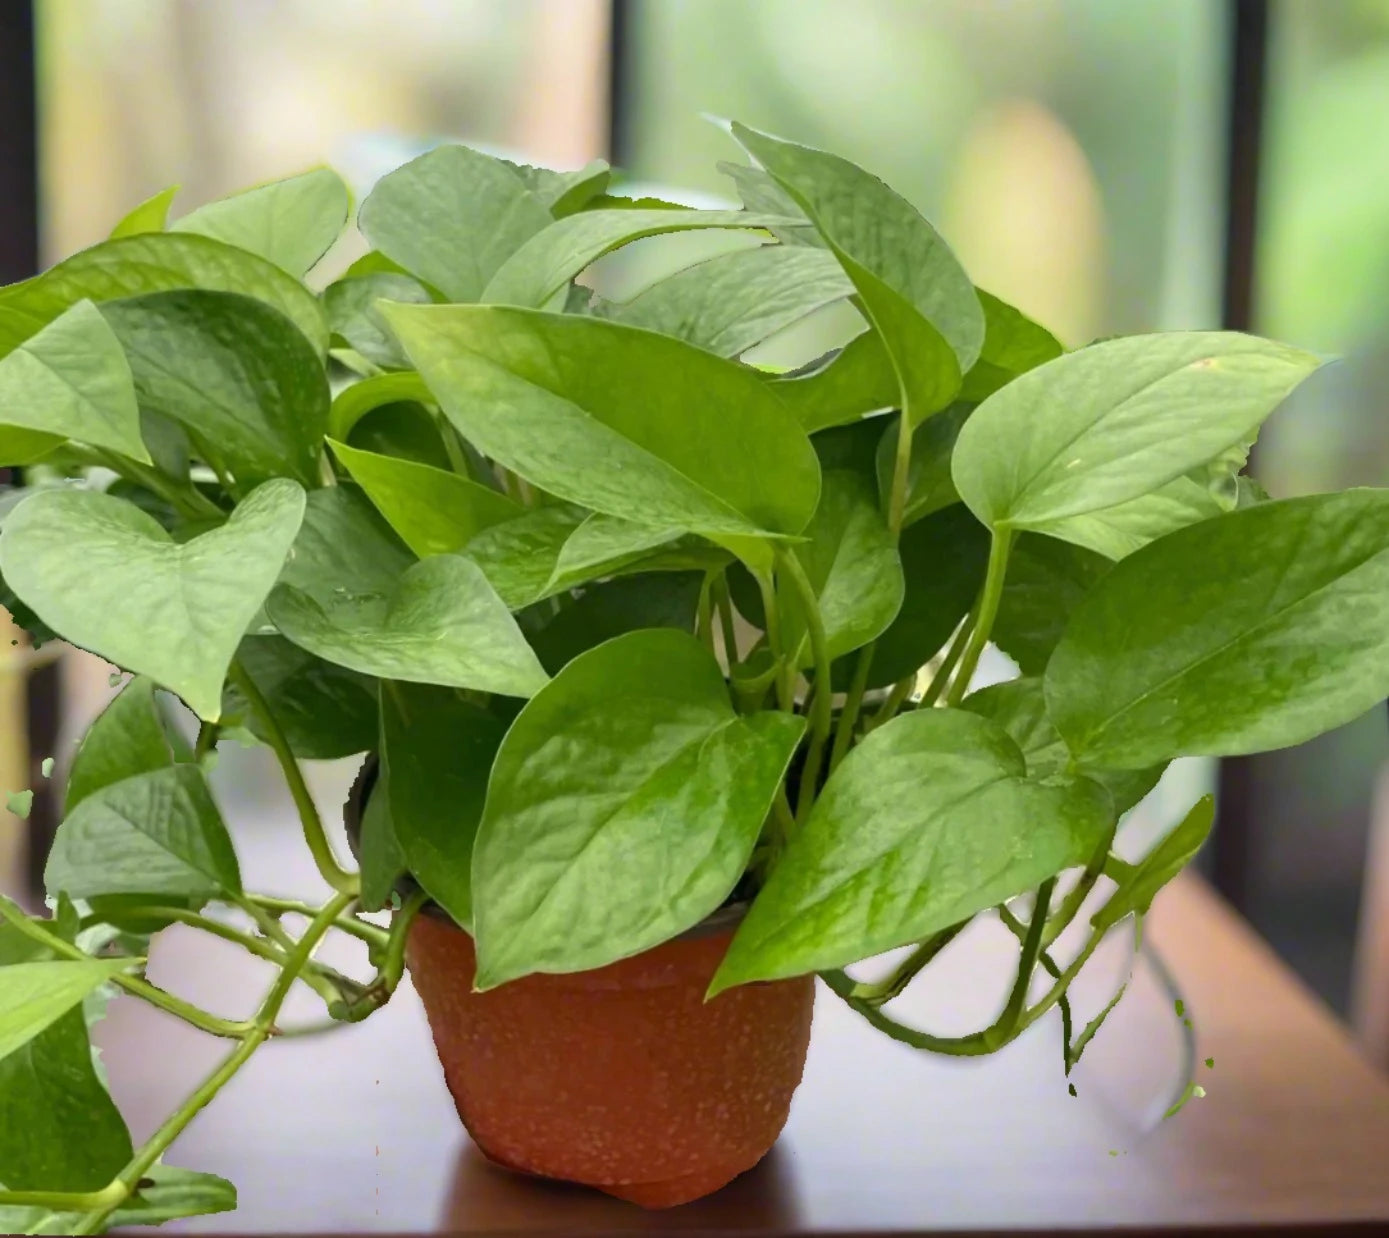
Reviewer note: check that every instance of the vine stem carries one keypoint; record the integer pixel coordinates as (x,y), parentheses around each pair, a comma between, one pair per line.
(989,599)
(333,873)
(191,503)
(901,475)
(853,702)
(785,693)
(262,1027)
(723,603)
(373,934)
(822,706)
(133,985)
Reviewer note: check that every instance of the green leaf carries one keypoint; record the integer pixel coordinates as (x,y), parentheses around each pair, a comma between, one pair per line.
(60,1130)
(326,712)
(943,561)
(608,546)
(437,750)
(623,808)
(156,834)
(851,561)
(550,259)
(912,288)
(1046,582)
(151,215)
(406,431)
(565,192)
(519,556)
(381,857)
(109,579)
(171,1193)
(620,420)
(350,305)
(154,262)
(930,487)
(1254,630)
(441,623)
(70,381)
(354,402)
(128,738)
(929,820)
(35,995)
(344,549)
(290,222)
(235,373)
(1013,344)
(615,607)
(848,384)
(435,512)
(1141,884)
(1019,707)
(731,302)
(453,217)
(760,192)
(1108,423)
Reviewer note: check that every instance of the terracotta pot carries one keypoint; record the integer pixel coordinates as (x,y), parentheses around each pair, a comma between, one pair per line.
(623,1078)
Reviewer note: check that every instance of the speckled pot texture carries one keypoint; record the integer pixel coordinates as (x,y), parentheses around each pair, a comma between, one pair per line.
(622,1078)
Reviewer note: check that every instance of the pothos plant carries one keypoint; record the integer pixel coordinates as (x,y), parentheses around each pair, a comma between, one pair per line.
(633,627)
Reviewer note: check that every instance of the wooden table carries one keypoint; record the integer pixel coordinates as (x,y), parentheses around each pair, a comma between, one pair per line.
(353,1132)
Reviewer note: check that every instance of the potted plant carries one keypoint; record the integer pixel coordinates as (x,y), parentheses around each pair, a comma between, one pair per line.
(661,662)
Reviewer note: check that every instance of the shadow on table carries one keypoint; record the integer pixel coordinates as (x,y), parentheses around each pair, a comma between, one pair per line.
(484,1197)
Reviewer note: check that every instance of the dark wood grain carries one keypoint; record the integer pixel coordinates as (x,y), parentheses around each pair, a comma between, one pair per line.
(353,1132)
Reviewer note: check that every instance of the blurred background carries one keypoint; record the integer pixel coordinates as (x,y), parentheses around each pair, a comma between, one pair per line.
(1108,167)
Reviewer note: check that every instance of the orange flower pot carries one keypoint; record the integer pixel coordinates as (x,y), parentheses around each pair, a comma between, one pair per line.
(622,1078)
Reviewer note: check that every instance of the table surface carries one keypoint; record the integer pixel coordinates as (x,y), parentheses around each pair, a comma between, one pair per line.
(353,1131)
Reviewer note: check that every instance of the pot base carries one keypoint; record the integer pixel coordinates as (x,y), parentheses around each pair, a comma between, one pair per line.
(622,1078)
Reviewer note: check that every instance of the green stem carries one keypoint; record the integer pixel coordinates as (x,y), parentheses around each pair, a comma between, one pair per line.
(208,733)
(336,876)
(64,1201)
(188,502)
(785,679)
(133,985)
(373,934)
(263,1026)
(1072,902)
(822,713)
(953,654)
(723,602)
(388,975)
(988,611)
(704,613)
(853,702)
(901,473)
(901,692)
(880,992)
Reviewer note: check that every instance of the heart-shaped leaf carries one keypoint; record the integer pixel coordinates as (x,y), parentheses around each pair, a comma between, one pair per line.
(441,623)
(453,216)
(1116,420)
(851,561)
(155,834)
(154,262)
(1019,707)
(344,548)
(1253,630)
(579,859)
(379,854)
(71,381)
(289,222)
(841,388)
(1046,581)
(151,215)
(235,373)
(617,419)
(325,711)
(729,303)
(128,738)
(929,820)
(437,751)
(110,579)
(51,1089)
(1013,344)
(434,511)
(912,288)
(351,308)
(550,259)
(34,996)
(519,556)
(565,192)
